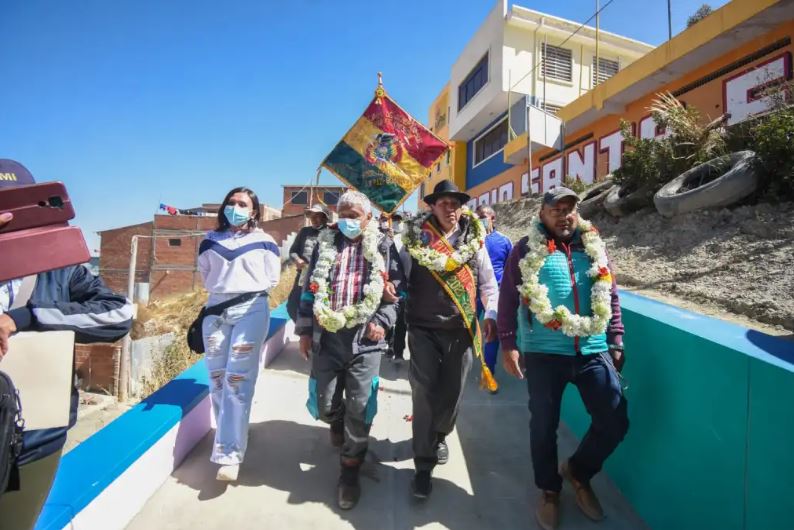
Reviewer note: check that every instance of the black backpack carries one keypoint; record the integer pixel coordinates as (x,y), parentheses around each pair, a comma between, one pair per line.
(11,427)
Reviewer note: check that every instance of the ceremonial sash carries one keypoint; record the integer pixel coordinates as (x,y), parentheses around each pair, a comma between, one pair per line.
(462,290)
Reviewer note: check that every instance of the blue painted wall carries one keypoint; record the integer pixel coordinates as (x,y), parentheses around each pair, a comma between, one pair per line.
(711,422)
(488,169)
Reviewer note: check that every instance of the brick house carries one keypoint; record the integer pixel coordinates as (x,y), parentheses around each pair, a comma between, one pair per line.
(296,198)
(168,248)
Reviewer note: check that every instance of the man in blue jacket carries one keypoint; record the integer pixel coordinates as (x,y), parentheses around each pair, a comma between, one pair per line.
(498,246)
(73,299)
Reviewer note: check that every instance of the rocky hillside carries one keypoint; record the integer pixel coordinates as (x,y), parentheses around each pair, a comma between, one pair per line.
(736,264)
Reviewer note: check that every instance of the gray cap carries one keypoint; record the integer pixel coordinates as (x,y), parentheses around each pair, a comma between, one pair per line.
(318,208)
(552,197)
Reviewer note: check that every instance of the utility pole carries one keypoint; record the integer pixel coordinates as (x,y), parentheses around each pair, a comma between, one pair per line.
(669,20)
(124,364)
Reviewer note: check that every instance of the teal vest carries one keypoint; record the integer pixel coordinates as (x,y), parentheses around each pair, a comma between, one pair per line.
(534,337)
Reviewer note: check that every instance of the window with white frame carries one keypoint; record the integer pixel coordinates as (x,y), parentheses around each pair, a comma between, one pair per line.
(491,142)
(606,68)
(557,63)
(476,79)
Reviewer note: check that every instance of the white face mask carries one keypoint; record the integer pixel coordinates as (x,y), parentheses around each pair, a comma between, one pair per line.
(398,228)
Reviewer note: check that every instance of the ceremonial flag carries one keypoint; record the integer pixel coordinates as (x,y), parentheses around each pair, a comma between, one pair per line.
(386,154)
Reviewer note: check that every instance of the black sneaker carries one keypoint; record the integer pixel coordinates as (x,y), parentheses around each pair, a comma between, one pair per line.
(349,490)
(421,485)
(442,451)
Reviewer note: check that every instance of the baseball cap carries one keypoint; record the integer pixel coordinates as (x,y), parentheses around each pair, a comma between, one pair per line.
(552,197)
(317,208)
(13,173)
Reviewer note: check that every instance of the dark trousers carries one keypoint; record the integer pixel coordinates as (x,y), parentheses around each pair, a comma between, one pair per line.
(597,381)
(397,335)
(440,361)
(344,390)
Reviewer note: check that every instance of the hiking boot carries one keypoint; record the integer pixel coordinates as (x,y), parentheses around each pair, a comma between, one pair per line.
(422,485)
(586,498)
(338,434)
(348,490)
(442,451)
(548,512)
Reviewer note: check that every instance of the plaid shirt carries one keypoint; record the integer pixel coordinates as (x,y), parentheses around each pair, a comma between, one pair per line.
(348,275)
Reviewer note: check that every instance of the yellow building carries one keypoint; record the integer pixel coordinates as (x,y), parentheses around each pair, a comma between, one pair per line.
(721,65)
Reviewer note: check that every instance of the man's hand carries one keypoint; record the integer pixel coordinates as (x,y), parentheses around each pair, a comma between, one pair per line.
(375,332)
(299,263)
(511,362)
(489,329)
(7,328)
(305,346)
(5,218)
(618,359)
(390,293)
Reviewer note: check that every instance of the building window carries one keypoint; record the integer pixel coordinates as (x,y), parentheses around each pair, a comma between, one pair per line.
(330,198)
(557,63)
(491,142)
(174,242)
(606,69)
(300,197)
(476,79)
(551,109)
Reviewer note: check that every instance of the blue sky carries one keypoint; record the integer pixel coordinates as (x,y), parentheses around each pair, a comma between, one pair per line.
(134,103)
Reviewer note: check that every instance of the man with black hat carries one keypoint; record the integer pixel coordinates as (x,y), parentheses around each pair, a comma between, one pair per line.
(559,308)
(300,252)
(70,298)
(449,266)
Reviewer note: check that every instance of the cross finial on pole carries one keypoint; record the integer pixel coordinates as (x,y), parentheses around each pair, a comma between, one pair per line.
(380,91)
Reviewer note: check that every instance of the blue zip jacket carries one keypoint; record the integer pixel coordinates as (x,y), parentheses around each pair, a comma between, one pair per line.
(72,299)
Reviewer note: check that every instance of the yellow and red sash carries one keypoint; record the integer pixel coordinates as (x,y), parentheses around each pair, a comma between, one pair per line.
(462,289)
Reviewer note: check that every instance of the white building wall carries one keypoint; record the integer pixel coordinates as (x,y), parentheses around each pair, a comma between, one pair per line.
(488,39)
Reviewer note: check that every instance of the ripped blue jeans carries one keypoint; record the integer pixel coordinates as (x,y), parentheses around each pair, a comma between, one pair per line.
(233,343)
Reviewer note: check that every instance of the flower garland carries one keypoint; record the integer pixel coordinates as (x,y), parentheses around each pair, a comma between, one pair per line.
(352,315)
(536,295)
(417,240)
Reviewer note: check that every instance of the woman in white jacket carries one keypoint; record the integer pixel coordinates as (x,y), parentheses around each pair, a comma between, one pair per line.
(237,259)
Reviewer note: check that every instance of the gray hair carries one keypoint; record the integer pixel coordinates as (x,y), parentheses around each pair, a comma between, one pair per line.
(355,198)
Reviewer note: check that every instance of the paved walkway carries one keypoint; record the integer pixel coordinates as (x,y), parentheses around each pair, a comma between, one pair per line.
(289,477)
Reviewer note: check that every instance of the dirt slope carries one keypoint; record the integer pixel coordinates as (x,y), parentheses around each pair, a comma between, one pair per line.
(732,263)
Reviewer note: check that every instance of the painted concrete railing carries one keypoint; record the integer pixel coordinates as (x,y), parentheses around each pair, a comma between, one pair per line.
(105,481)
(711,406)
(710,403)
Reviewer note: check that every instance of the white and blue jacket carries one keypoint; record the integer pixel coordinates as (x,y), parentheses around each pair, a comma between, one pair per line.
(72,299)
(233,263)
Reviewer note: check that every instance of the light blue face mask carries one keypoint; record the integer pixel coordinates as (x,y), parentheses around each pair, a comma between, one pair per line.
(351,228)
(237,216)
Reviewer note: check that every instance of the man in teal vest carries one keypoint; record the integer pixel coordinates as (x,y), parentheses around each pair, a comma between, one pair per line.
(572,334)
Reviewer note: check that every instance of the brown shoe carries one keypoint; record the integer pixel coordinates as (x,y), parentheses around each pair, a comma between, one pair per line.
(585,496)
(548,512)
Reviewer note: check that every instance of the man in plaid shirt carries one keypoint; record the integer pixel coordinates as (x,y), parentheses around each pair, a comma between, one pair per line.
(348,361)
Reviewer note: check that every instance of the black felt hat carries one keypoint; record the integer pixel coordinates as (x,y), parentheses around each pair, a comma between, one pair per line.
(448,188)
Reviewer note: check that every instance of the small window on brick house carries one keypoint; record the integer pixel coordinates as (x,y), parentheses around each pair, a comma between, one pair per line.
(174,242)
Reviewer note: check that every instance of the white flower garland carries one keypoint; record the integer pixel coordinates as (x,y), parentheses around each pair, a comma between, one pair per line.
(537,295)
(437,261)
(352,315)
